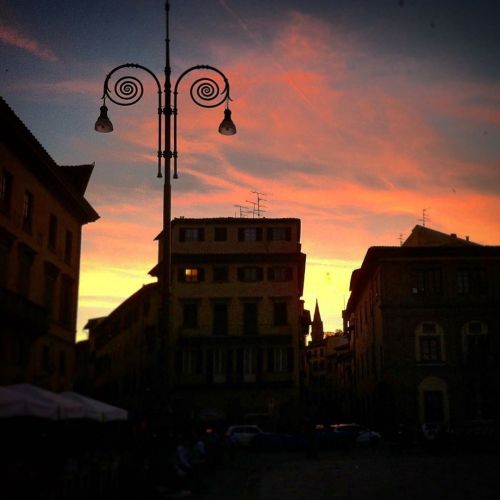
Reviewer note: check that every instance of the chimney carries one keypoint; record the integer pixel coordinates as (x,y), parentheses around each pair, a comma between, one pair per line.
(453,235)
(466,238)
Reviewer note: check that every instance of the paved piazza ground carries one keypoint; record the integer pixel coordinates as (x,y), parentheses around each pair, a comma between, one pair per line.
(358,474)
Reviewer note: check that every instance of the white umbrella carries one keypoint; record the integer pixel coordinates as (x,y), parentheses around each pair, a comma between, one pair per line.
(66,408)
(18,404)
(97,410)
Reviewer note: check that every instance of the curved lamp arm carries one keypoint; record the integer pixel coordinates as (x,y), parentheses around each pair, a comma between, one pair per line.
(206,93)
(126,91)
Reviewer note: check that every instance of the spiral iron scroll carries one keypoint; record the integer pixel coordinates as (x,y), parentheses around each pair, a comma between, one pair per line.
(204,91)
(127,90)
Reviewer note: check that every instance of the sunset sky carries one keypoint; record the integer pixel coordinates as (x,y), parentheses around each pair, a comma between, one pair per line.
(353,115)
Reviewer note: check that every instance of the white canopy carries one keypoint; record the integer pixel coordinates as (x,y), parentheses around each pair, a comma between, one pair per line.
(65,408)
(18,404)
(97,409)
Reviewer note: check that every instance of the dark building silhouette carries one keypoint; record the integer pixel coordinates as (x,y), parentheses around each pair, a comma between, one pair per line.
(237,324)
(424,332)
(42,211)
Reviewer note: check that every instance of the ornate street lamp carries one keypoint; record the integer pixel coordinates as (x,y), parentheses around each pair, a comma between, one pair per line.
(206,91)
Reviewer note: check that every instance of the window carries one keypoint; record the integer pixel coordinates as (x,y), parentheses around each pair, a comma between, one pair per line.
(475,343)
(429,343)
(280,359)
(219,326)
(279,273)
(427,281)
(220,234)
(68,247)
(430,348)
(28,207)
(190,315)
(218,362)
(191,234)
(52,240)
(280,316)
(250,318)
(249,365)
(191,275)
(471,281)
(187,362)
(250,274)
(279,234)
(250,234)
(221,273)
(5,191)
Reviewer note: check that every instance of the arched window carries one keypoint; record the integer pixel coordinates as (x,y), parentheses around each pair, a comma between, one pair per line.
(429,343)
(475,343)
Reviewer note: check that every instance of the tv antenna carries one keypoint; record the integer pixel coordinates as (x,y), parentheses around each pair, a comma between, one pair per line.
(258,207)
(243,210)
(401,238)
(425,218)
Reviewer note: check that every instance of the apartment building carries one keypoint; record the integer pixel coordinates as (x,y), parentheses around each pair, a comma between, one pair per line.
(423,327)
(42,211)
(237,318)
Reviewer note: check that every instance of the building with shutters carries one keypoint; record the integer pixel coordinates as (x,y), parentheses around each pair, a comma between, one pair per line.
(424,332)
(236,339)
(42,211)
(237,323)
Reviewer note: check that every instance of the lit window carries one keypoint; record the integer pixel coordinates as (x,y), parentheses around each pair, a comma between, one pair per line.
(191,274)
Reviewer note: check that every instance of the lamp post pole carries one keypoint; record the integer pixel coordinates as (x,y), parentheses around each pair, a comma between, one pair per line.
(205,91)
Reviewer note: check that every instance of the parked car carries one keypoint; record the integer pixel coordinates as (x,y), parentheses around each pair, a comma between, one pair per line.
(357,434)
(336,435)
(242,435)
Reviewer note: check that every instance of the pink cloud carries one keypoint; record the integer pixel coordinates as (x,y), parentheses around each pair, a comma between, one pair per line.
(12,36)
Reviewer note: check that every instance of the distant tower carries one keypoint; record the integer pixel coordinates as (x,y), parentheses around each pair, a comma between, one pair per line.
(317,333)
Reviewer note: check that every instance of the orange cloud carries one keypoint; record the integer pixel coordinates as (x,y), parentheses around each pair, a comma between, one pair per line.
(12,36)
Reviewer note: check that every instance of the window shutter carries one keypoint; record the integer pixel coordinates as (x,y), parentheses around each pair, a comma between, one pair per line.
(229,365)
(181,275)
(288,234)
(241,234)
(259,234)
(289,273)
(201,234)
(182,234)
(269,234)
(240,274)
(270,273)
(201,274)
